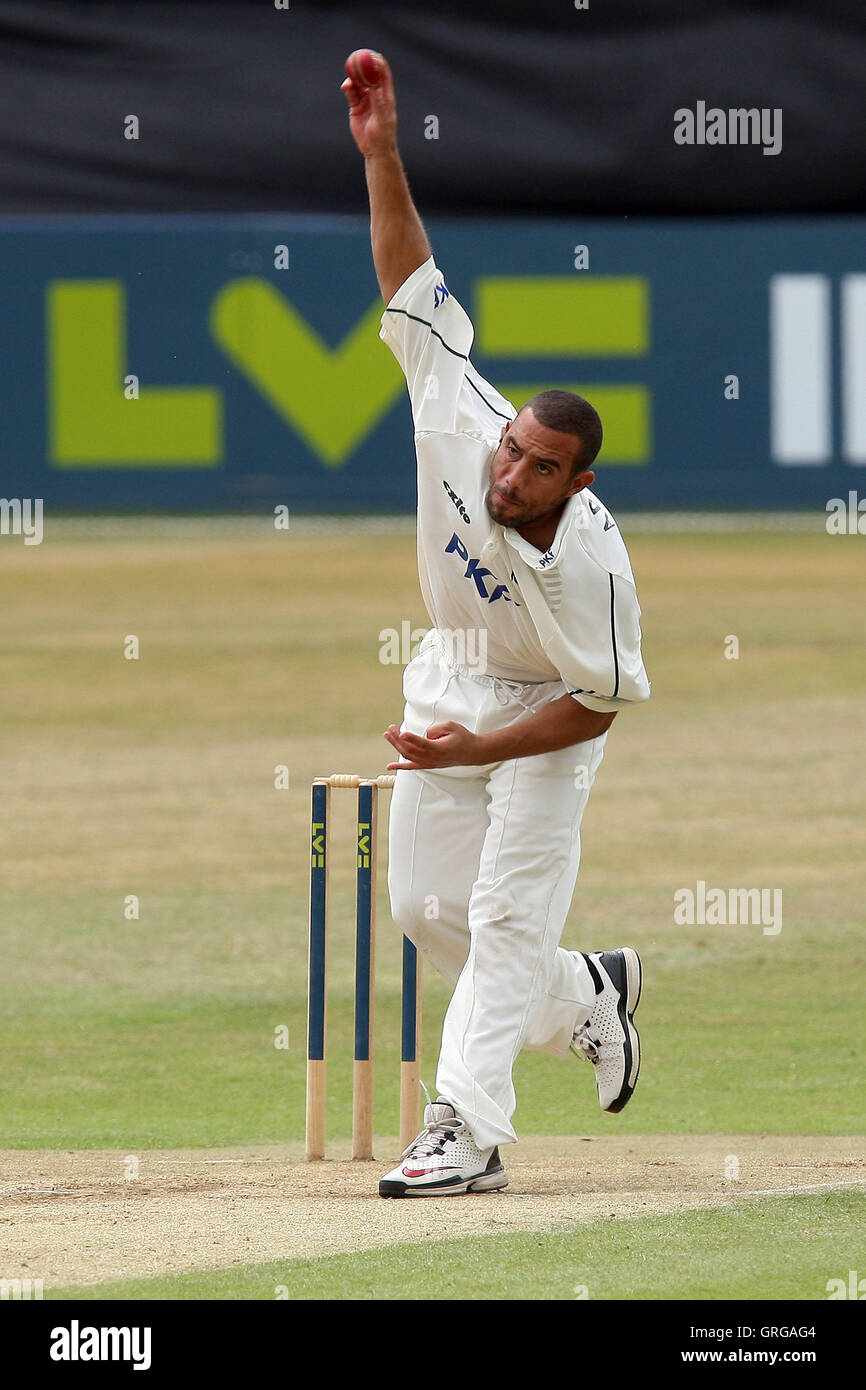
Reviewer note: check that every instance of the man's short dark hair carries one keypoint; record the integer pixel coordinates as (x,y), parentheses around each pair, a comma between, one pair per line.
(570,414)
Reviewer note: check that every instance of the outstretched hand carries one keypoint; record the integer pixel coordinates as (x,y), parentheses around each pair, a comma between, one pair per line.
(446,745)
(372,108)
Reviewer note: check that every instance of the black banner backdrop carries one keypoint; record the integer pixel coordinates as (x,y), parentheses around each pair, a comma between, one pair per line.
(540,107)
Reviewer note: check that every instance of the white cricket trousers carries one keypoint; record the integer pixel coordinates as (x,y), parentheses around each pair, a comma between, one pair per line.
(482,865)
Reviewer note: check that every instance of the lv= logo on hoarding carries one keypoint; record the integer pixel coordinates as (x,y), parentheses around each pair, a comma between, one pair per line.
(91,423)
(802,372)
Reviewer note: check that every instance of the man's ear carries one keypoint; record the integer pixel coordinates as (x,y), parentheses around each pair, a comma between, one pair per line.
(580,481)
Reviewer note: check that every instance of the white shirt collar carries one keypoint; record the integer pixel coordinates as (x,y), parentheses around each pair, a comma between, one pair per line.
(530,554)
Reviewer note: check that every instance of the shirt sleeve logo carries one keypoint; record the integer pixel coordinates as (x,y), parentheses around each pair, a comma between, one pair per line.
(608,519)
(458,501)
(440,294)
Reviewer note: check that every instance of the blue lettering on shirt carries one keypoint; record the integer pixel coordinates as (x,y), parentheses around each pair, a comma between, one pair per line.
(456,547)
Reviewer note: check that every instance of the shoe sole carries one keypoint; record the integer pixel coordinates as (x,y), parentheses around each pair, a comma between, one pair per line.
(485,1182)
(626,1010)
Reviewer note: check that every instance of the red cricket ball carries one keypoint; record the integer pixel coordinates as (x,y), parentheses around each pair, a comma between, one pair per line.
(364,64)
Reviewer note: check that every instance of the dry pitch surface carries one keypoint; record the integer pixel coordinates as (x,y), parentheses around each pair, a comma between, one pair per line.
(75,1218)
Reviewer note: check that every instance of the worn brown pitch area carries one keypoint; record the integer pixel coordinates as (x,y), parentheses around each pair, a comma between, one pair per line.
(77,1218)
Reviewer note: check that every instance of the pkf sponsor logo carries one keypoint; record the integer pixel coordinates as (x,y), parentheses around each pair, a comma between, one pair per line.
(478,574)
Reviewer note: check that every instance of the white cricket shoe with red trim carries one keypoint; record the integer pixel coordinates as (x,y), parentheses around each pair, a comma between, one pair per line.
(444,1161)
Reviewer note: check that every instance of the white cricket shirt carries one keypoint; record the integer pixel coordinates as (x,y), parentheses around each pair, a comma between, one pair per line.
(571,613)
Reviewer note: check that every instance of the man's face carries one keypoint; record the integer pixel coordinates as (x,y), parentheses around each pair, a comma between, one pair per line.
(531,472)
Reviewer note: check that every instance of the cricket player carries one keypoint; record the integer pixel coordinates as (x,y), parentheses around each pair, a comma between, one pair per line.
(502,734)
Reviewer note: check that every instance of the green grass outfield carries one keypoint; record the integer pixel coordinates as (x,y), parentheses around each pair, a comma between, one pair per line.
(155,778)
(708,1255)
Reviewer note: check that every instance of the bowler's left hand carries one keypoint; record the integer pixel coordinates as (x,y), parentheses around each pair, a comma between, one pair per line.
(446,745)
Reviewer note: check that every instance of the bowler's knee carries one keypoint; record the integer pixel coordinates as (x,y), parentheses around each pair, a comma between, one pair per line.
(413,911)
(404,904)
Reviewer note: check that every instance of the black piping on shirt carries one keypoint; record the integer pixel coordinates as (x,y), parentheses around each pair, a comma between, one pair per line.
(454,353)
(613,640)
(615,655)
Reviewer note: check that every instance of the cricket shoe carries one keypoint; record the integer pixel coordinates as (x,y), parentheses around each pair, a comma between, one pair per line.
(609,1039)
(444,1161)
